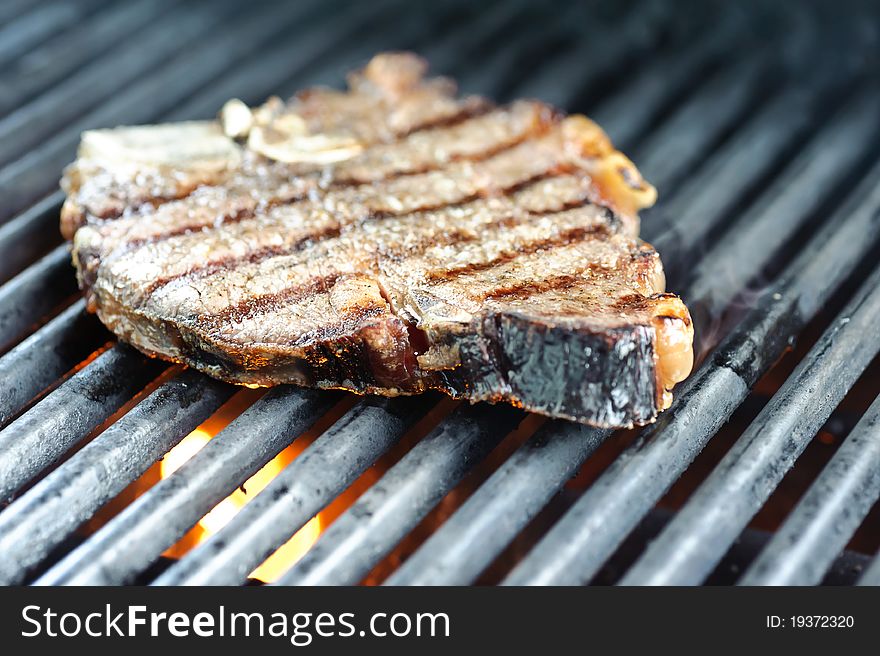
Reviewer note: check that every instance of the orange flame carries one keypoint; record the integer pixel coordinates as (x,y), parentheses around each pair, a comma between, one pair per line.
(223,512)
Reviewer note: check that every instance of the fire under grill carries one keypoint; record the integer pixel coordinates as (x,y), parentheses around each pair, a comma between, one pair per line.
(759,125)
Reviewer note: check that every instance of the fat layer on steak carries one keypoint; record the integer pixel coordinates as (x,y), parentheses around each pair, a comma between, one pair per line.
(391,238)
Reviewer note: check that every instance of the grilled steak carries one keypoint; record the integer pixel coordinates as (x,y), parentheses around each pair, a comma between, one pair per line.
(391,238)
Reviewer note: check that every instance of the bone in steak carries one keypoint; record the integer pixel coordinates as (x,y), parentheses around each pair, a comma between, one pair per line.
(392,238)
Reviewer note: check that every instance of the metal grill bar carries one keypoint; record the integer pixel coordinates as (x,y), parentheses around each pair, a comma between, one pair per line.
(45,356)
(699,535)
(452,48)
(134,539)
(253,80)
(14,8)
(805,546)
(47,514)
(608,49)
(469,540)
(395,504)
(29,235)
(44,433)
(809,181)
(27,298)
(627,116)
(32,122)
(671,152)
(496,71)
(68,52)
(309,483)
(679,225)
(576,547)
(19,35)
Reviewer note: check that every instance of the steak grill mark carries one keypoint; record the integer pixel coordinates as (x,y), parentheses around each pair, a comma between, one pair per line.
(565,238)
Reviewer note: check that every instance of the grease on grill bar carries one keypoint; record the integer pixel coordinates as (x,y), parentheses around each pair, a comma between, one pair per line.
(768,219)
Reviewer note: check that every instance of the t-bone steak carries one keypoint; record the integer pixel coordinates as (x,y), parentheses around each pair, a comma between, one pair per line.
(392,238)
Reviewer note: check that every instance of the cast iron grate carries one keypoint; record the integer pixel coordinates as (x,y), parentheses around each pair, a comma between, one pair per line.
(758,125)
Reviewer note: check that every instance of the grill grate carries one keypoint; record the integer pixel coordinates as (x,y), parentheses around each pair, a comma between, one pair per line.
(758,126)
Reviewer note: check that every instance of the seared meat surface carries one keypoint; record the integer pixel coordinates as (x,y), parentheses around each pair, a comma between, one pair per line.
(391,238)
